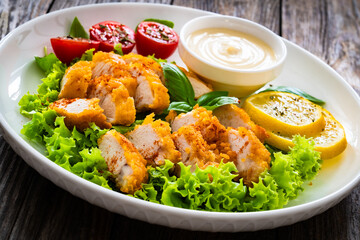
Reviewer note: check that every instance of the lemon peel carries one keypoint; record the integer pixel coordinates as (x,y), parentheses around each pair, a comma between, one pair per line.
(330,142)
(285,114)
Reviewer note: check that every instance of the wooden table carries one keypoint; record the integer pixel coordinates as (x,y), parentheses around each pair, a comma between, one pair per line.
(31,207)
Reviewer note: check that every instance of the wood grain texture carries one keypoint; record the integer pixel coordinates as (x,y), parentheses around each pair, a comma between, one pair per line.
(31,207)
(328,29)
(15,13)
(265,12)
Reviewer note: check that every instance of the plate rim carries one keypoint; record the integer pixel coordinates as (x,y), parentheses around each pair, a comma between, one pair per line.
(23,146)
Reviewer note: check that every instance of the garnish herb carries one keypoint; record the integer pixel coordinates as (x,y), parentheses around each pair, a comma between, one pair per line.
(168,23)
(182,93)
(77,30)
(296,91)
(118,49)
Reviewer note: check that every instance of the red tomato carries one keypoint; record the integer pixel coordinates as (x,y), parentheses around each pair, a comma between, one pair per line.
(66,49)
(155,38)
(110,33)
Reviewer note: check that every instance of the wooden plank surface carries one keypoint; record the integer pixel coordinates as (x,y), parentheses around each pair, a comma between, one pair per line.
(31,207)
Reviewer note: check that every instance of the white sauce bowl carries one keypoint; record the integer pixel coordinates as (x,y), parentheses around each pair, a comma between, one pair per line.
(237,82)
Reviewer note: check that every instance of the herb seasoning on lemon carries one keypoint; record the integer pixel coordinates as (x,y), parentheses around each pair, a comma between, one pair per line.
(284,115)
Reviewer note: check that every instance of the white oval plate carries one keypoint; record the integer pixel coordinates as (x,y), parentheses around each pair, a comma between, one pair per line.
(19,74)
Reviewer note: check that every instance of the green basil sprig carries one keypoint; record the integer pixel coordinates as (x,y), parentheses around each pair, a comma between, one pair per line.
(295,91)
(182,93)
(179,86)
(168,23)
(77,30)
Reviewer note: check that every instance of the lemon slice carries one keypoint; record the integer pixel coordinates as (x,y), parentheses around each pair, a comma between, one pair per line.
(330,142)
(286,114)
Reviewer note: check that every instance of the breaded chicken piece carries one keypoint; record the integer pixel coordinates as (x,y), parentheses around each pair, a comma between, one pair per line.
(80,112)
(205,122)
(124,161)
(252,158)
(105,63)
(146,63)
(75,81)
(193,148)
(232,116)
(119,107)
(151,94)
(153,140)
(200,87)
(109,63)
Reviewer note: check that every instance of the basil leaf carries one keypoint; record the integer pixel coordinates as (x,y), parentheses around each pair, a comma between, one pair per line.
(179,86)
(296,91)
(46,63)
(118,49)
(220,101)
(207,97)
(180,107)
(77,30)
(168,23)
(125,129)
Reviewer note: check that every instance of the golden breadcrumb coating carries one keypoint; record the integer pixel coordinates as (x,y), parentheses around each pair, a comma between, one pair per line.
(109,63)
(193,147)
(119,107)
(158,98)
(80,112)
(124,161)
(146,62)
(167,148)
(232,116)
(199,86)
(252,156)
(75,81)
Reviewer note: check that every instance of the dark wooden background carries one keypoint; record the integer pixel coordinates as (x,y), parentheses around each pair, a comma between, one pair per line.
(31,207)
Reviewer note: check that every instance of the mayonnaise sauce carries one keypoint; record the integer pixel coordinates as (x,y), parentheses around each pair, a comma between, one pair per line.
(231,48)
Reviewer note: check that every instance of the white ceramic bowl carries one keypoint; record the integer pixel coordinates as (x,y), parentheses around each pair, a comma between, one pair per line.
(237,82)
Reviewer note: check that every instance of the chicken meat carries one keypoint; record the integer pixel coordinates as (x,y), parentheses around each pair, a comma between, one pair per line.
(80,112)
(153,140)
(203,120)
(109,63)
(75,81)
(124,161)
(200,87)
(252,158)
(193,148)
(119,107)
(232,116)
(146,62)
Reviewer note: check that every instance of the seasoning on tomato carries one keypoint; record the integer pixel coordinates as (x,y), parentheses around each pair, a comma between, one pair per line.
(68,48)
(155,38)
(110,33)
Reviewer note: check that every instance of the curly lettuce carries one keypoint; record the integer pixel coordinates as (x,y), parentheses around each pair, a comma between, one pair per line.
(75,151)
(213,188)
(48,91)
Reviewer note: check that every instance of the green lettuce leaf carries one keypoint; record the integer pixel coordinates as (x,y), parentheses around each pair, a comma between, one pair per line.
(74,151)
(213,189)
(210,189)
(308,162)
(48,91)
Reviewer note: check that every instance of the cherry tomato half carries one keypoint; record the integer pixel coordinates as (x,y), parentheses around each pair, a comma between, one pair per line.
(110,33)
(66,49)
(156,38)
